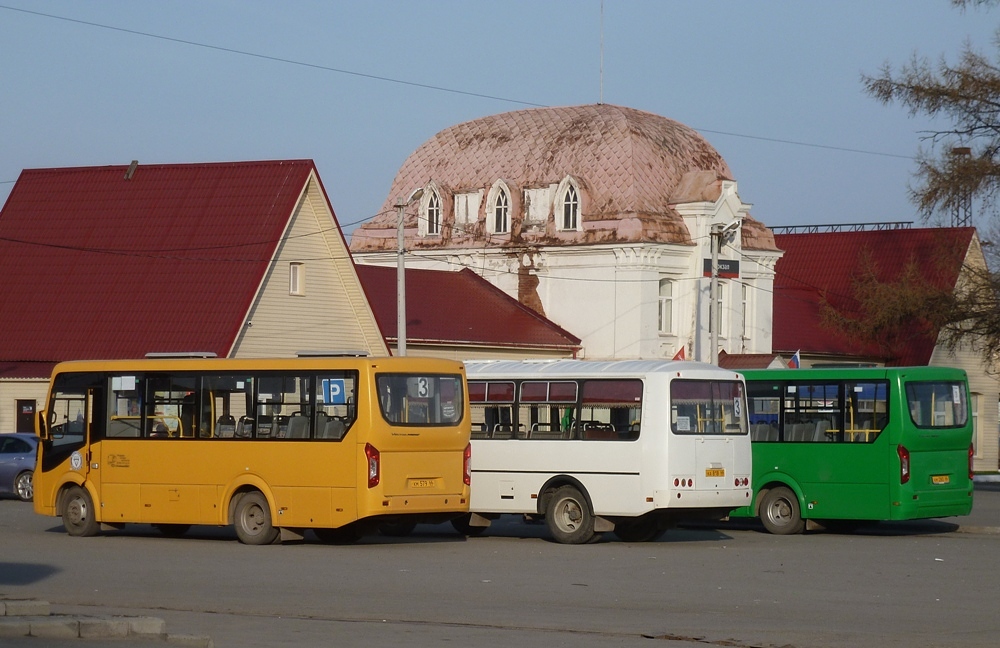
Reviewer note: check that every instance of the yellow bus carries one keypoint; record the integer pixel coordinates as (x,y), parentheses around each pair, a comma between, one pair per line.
(336,444)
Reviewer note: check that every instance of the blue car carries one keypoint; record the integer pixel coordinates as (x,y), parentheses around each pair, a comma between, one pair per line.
(17,464)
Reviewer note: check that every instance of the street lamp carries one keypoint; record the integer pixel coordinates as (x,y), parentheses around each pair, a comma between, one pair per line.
(401,273)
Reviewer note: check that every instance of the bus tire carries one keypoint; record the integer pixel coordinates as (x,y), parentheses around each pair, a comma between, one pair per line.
(568,517)
(779,512)
(253,520)
(78,513)
(461,524)
(639,530)
(24,486)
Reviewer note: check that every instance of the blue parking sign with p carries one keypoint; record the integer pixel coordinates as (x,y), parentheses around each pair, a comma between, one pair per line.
(333,391)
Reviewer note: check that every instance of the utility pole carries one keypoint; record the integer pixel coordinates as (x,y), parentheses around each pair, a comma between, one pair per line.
(720,233)
(401,204)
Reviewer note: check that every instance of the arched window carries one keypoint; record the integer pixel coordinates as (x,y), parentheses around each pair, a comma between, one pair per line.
(433,215)
(570,209)
(501,213)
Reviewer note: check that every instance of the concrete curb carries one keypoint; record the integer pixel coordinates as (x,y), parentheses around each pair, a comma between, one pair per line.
(981,530)
(31,618)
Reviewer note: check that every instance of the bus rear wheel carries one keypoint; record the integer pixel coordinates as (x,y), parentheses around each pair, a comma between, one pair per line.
(568,517)
(253,520)
(779,511)
(78,514)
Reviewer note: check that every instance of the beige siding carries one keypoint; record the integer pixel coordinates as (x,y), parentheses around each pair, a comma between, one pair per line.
(987,388)
(331,314)
(13,390)
(981,383)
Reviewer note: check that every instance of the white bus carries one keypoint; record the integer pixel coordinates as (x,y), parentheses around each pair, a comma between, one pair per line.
(629,446)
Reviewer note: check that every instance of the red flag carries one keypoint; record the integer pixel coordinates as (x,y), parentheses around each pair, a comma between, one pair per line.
(679,355)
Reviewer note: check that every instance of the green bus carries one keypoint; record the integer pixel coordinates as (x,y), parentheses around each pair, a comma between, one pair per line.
(843,445)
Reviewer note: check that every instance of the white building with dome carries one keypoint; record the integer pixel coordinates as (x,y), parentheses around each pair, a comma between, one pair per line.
(599,217)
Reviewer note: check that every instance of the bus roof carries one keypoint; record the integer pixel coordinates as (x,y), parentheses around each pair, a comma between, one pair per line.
(916,373)
(404,363)
(568,368)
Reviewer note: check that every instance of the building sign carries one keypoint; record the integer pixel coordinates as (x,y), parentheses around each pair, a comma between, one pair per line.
(728,269)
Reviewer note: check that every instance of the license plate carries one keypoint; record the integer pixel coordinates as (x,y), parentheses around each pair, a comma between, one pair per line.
(715,472)
(940,479)
(423,483)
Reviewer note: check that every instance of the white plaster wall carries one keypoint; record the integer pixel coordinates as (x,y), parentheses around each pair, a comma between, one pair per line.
(608,295)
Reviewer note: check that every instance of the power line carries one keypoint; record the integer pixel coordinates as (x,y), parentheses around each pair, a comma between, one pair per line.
(808,144)
(276,59)
(414,84)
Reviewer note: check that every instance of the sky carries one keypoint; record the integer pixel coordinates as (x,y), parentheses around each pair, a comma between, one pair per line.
(774,86)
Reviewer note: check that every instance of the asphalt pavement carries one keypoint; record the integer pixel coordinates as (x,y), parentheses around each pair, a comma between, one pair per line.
(30,623)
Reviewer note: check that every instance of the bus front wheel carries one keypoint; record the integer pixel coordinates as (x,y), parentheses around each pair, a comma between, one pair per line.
(253,520)
(78,514)
(779,511)
(568,517)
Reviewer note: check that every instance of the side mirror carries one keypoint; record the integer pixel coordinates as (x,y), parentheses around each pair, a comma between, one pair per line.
(42,425)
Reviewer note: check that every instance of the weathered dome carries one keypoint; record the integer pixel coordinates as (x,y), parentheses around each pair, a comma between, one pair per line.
(627,163)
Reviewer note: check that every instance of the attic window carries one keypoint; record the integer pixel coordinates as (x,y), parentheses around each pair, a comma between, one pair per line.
(498,208)
(501,213)
(296,279)
(434,215)
(570,209)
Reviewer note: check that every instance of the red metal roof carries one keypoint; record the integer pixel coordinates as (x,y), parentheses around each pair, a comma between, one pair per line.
(825,263)
(458,308)
(740,361)
(95,265)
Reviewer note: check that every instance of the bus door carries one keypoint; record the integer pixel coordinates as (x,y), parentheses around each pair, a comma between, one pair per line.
(114,464)
(67,453)
(832,446)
